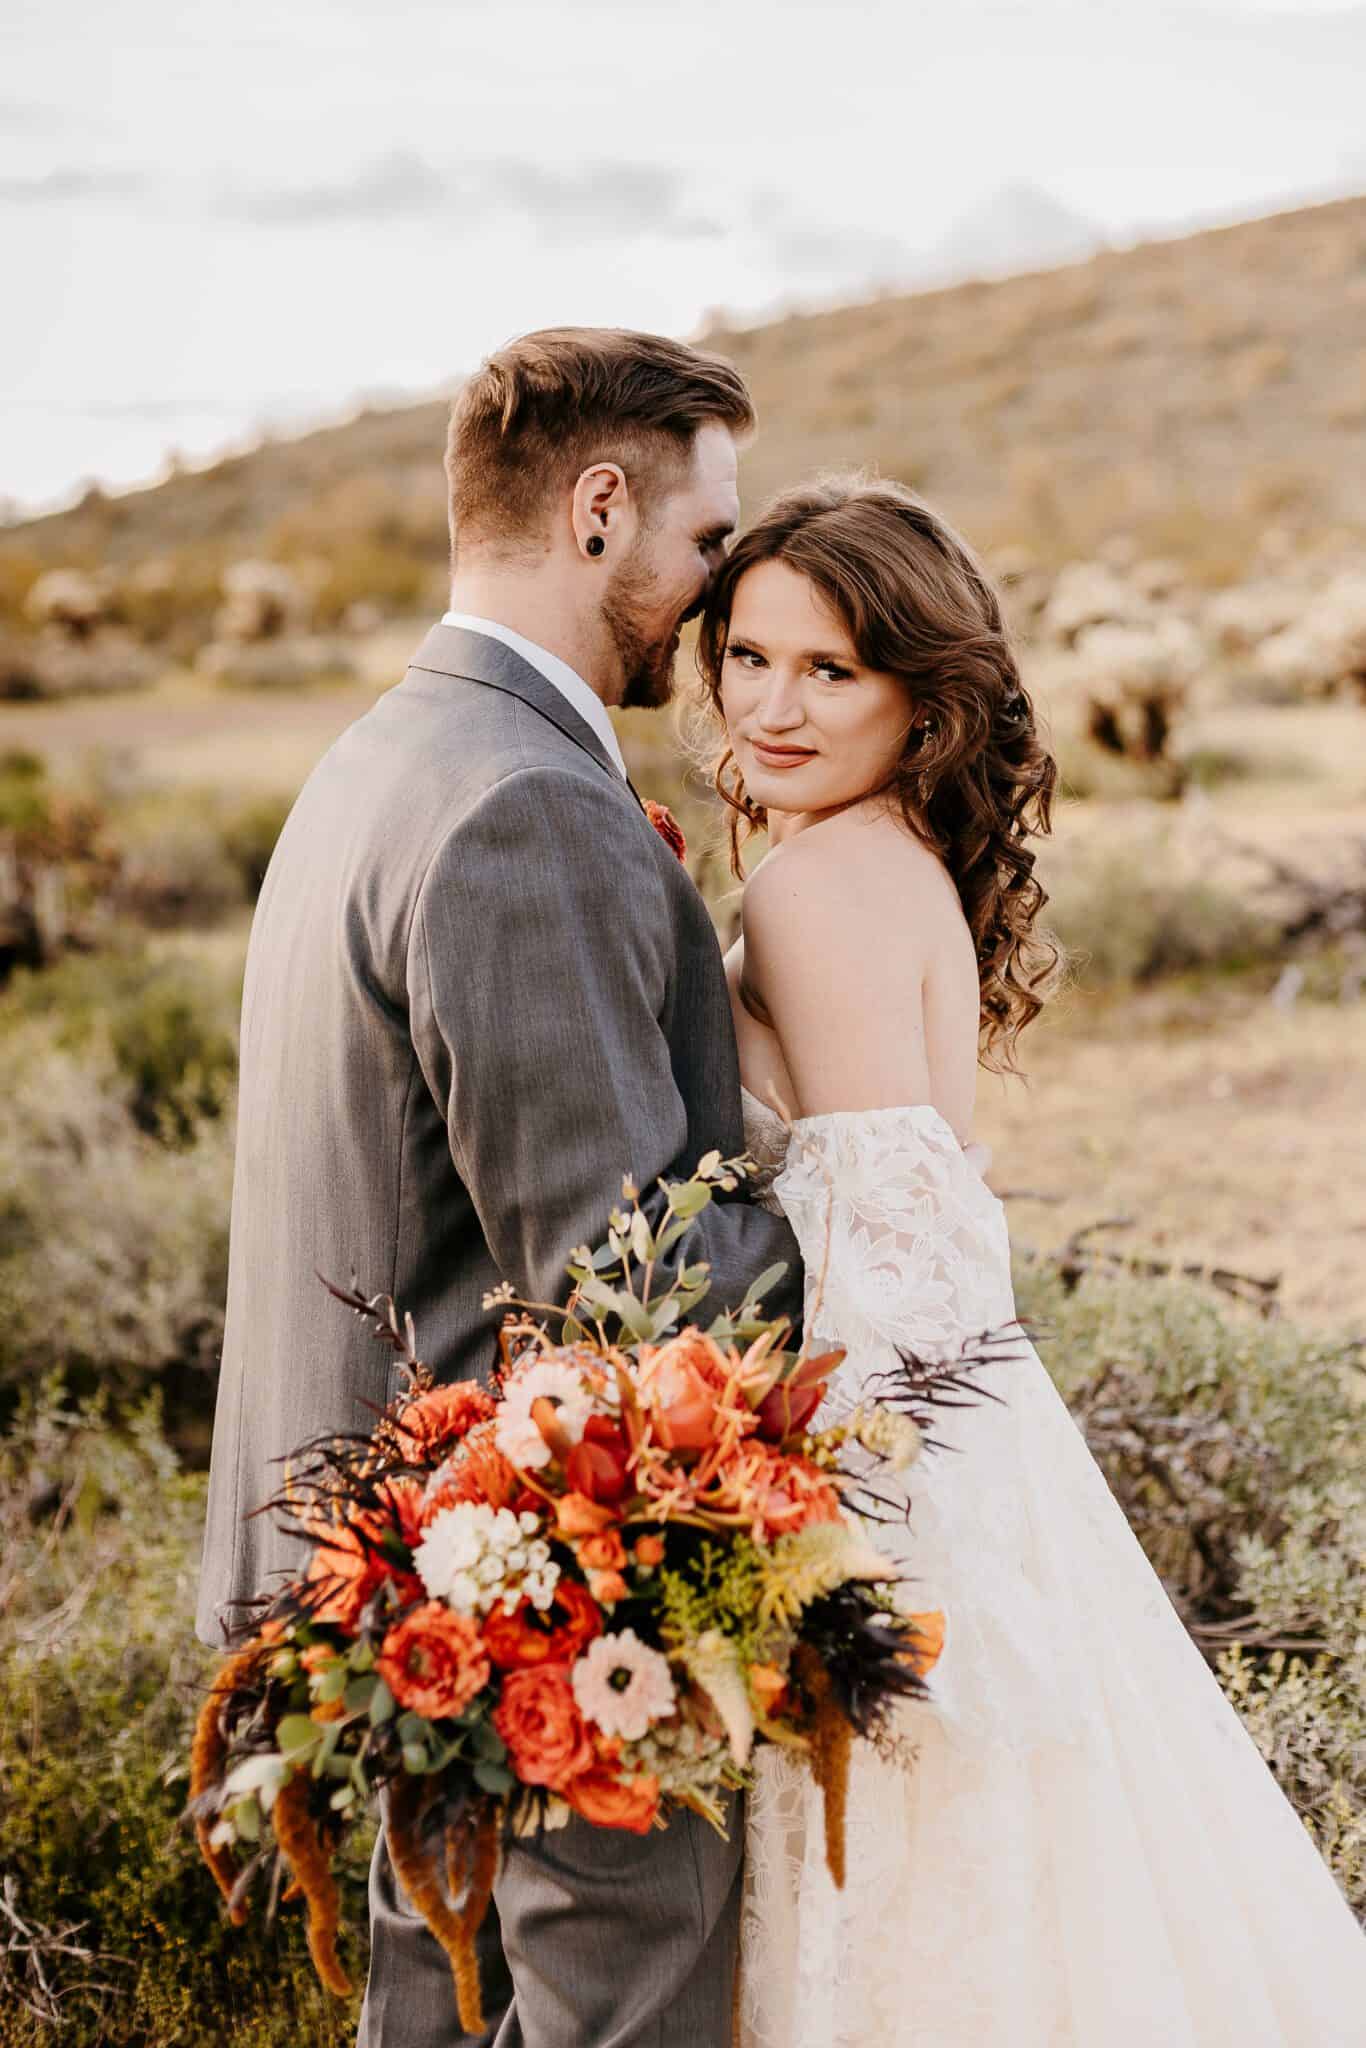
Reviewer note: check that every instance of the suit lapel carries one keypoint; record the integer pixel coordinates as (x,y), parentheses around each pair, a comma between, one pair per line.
(453,651)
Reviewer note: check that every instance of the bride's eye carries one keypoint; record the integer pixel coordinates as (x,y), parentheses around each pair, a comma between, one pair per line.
(750,656)
(832,672)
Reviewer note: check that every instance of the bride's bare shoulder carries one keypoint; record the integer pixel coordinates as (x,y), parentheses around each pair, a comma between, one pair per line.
(846,881)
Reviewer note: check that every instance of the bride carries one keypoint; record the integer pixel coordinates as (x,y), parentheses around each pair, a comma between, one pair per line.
(1078,1842)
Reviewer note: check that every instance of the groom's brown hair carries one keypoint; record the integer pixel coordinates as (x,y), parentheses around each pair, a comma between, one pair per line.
(539,412)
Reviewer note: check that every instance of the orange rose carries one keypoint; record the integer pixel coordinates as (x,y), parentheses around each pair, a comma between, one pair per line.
(607,1587)
(539,1720)
(433,1661)
(693,1347)
(608,1800)
(604,1552)
(439,1419)
(577,1515)
(648,1551)
(681,1401)
(556,1636)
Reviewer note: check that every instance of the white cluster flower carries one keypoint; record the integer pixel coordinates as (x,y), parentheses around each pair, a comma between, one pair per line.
(516,1434)
(475,1558)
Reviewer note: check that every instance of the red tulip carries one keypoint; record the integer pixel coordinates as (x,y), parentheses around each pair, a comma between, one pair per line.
(787,1408)
(596,1466)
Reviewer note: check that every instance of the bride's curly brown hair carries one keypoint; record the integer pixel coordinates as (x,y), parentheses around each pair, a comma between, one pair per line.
(975,782)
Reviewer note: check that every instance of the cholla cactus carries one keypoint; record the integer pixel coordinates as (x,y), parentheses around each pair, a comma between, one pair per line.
(1325,651)
(1136,679)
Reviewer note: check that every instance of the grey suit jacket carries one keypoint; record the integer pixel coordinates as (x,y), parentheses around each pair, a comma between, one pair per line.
(479,989)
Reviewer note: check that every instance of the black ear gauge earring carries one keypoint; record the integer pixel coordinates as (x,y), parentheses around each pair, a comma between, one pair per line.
(595,544)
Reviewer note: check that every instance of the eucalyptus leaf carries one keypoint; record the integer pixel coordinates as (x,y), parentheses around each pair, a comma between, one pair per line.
(344,1796)
(668,1238)
(770,1277)
(411,1727)
(381,1703)
(642,1239)
(489,1744)
(253,1773)
(491,1777)
(414,1757)
(332,1684)
(296,1735)
(689,1199)
(360,1692)
(246,1818)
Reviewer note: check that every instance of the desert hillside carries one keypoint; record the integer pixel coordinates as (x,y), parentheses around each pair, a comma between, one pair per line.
(1186,392)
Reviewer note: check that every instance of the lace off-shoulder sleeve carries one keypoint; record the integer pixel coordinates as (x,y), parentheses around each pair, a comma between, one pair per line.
(911,1242)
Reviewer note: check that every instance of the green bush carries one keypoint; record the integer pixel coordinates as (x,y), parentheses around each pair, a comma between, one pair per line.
(25,800)
(100,1681)
(1127,916)
(167,1025)
(115,1176)
(249,834)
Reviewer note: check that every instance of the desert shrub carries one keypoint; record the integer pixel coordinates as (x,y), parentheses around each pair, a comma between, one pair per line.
(1128,915)
(100,1680)
(1235,1448)
(284,664)
(161,1027)
(113,1246)
(174,867)
(249,832)
(115,1178)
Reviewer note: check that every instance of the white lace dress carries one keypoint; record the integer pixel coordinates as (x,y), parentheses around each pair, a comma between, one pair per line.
(1088,1851)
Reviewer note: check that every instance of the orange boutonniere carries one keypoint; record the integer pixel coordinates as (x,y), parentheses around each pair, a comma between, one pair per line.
(667,826)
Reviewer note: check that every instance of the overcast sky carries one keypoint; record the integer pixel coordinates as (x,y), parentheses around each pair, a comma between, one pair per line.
(216,214)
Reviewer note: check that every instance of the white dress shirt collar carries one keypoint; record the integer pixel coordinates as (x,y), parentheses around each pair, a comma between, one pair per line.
(567,681)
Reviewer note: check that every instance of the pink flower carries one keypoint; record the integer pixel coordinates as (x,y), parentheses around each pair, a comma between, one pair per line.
(622,1685)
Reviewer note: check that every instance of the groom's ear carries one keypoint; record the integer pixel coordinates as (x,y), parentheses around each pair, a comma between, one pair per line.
(603,514)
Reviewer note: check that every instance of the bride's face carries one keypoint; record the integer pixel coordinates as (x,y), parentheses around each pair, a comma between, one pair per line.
(812,728)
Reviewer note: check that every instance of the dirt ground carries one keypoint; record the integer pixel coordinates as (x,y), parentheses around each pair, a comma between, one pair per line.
(1228,1129)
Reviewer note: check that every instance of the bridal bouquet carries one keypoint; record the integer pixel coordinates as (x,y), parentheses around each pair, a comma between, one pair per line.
(587,1591)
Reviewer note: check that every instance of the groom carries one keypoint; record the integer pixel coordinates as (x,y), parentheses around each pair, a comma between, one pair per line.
(480,989)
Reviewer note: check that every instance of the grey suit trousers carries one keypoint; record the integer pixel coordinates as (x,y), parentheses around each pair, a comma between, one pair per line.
(609,1940)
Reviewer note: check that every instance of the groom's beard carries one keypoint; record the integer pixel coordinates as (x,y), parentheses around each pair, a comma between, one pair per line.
(647,665)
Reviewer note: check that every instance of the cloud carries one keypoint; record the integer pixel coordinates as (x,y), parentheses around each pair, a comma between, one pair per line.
(802,249)
(605,200)
(57,187)
(400,186)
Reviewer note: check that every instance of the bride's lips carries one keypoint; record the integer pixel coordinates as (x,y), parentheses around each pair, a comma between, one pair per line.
(782,757)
